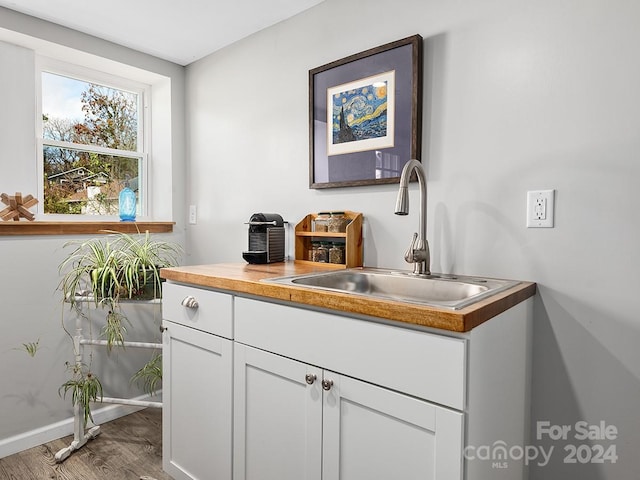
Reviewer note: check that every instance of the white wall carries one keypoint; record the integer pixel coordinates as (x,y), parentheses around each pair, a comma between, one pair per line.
(30,306)
(16,110)
(518,96)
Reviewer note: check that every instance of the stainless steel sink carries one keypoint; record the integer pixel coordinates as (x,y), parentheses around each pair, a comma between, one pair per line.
(448,291)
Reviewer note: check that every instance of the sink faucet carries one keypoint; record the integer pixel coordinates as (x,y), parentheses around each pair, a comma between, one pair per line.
(418,251)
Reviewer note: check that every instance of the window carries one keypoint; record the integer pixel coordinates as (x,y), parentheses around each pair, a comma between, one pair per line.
(92,140)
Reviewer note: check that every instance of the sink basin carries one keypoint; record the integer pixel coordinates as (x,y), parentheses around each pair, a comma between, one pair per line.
(447,291)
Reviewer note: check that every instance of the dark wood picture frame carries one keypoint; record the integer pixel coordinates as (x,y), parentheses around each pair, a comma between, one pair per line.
(363,163)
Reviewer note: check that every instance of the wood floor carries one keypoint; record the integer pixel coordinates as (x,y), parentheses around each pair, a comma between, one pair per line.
(128,448)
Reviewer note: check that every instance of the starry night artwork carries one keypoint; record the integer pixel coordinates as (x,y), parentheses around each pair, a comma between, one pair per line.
(361,114)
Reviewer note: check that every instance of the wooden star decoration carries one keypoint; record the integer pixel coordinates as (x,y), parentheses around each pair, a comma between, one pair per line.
(17,206)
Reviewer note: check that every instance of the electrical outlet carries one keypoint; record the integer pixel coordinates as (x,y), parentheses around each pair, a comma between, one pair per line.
(193,219)
(540,208)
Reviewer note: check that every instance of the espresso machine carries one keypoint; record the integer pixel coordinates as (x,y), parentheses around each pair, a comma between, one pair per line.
(266,239)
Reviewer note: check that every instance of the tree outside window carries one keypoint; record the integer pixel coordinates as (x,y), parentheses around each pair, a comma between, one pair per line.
(91,145)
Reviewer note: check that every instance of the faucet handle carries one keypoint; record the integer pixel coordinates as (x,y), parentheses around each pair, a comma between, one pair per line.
(409,255)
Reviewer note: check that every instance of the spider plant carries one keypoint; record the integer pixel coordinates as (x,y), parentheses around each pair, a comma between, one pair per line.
(109,269)
(114,329)
(31,348)
(116,266)
(90,268)
(85,388)
(150,374)
(143,258)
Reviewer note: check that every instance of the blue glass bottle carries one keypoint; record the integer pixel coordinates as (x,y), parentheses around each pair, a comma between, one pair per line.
(127,204)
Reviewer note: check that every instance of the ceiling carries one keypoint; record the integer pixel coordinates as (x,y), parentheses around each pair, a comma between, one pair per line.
(179,31)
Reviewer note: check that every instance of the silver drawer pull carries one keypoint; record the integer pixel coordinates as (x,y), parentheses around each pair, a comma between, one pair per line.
(327,384)
(190,302)
(310,378)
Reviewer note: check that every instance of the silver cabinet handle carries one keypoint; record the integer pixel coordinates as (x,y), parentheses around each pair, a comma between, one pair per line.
(190,302)
(327,384)
(310,378)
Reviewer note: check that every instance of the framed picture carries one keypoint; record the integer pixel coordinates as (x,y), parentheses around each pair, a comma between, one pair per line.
(365,116)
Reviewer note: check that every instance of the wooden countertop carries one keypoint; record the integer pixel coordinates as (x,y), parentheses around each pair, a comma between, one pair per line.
(244,278)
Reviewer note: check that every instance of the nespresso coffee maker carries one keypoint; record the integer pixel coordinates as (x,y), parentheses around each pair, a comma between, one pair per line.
(266,238)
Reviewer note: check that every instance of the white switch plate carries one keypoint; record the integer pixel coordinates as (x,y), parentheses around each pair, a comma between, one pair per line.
(540,208)
(193,219)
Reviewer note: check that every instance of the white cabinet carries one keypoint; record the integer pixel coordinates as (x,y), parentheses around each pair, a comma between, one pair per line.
(261,390)
(197,385)
(373,432)
(277,417)
(405,403)
(294,421)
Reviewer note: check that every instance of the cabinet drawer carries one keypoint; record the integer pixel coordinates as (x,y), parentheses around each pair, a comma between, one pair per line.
(213,313)
(425,365)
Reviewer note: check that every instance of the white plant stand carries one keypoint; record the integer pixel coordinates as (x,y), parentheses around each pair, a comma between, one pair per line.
(82,434)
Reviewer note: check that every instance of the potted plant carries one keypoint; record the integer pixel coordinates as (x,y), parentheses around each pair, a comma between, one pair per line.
(105,271)
(117,266)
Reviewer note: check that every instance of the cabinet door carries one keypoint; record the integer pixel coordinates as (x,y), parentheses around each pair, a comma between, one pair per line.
(277,417)
(373,433)
(197,404)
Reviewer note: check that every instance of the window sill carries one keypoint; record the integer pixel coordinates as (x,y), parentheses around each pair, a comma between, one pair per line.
(82,228)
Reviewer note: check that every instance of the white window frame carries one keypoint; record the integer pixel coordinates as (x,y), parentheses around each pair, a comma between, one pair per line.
(143,91)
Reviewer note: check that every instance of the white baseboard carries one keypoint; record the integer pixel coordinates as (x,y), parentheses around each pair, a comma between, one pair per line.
(48,433)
